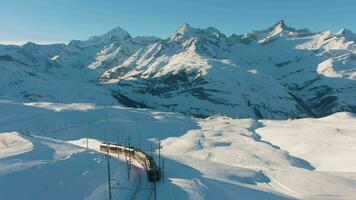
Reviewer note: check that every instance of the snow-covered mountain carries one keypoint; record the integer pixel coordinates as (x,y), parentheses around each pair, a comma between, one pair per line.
(275,73)
(65,73)
(280,72)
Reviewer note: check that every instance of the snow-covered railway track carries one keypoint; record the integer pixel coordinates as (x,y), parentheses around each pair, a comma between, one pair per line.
(144,159)
(137,190)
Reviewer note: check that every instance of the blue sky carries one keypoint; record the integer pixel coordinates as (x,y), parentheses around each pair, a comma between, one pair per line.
(63,20)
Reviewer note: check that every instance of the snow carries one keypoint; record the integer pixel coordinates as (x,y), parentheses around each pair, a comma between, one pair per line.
(305,159)
(87,142)
(347,34)
(217,157)
(199,72)
(12,144)
(331,140)
(55,57)
(57,105)
(62,107)
(55,170)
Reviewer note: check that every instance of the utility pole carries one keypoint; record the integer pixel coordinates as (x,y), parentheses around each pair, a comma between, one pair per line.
(104,135)
(159,154)
(155,188)
(151,150)
(127,165)
(118,143)
(109,178)
(139,140)
(163,170)
(129,142)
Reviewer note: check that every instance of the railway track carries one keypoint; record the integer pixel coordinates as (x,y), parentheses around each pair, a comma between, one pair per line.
(150,194)
(138,188)
(144,159)
(138,185)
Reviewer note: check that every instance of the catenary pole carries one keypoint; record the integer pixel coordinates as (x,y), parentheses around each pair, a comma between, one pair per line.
(109,178)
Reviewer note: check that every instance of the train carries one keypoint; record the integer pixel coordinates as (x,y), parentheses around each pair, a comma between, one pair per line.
(146,160)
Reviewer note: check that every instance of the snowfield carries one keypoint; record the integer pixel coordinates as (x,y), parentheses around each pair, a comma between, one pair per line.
(217,157)
(327,143)
(264,115)
(12,144)
(54,169)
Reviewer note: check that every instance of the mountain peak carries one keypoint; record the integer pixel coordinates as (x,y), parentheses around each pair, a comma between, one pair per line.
(184,28)
(281,26)
(29,44)
(116,33)
(185,32)
(347,34)
(280,29)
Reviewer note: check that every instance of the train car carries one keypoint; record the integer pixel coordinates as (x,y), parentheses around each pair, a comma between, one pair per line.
(147,161)
(141,158)
(104,147)
(153,171)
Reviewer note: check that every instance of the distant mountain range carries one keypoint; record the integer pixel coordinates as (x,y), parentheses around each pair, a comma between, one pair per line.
(277,73)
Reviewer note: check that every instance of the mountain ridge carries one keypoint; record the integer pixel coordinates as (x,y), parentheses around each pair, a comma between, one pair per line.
(280,72)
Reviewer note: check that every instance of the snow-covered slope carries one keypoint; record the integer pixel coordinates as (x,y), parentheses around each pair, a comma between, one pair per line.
(277,73)
(303,159)
(280,72)
(12,144)
(55,98)
(175,75)
(65,73)
(52,169)
(217,157)
(320,136)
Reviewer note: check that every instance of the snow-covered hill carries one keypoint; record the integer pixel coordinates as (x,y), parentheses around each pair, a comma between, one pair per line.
(217,157)
(52,169)
(277,73)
